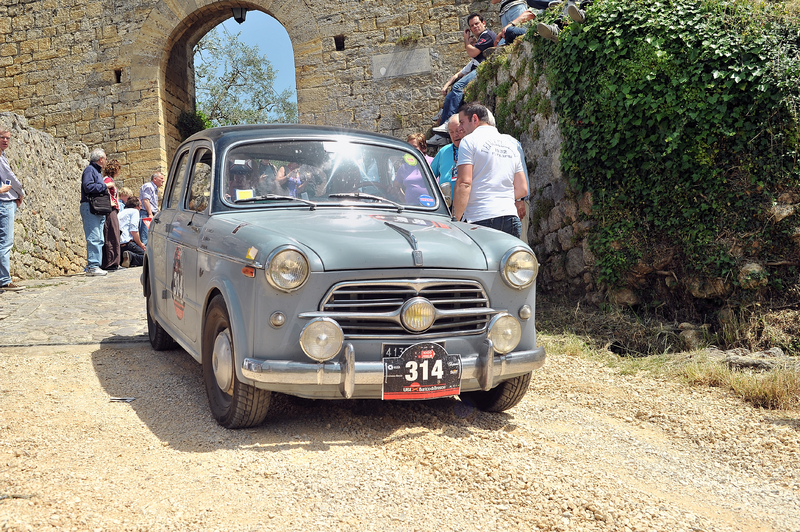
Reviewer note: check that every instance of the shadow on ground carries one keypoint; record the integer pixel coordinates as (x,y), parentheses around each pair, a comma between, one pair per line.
(169,397)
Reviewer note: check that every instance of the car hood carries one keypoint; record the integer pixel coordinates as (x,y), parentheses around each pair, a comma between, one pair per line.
(353,239)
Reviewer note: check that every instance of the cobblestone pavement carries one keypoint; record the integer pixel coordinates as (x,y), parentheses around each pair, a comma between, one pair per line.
(75,310)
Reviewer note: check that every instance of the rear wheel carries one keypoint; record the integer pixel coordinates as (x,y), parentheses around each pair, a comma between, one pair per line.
(233,403)
(159,338)
(505,395)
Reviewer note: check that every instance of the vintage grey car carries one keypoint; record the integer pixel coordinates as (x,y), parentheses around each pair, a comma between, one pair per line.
(324,263)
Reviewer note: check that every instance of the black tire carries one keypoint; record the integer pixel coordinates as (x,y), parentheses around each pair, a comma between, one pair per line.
(505,395)
(240,405)
(159,338)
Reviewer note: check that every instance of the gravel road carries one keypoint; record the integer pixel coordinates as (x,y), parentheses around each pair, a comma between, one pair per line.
(587,449)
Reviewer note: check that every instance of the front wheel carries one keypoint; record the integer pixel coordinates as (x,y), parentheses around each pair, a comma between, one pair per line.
(505,395)
(159,338)
(234,404)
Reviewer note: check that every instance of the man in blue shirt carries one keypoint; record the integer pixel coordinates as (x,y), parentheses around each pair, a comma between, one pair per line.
(445,164)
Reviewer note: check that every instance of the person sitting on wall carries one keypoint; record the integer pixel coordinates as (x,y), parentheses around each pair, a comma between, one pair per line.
(477,39)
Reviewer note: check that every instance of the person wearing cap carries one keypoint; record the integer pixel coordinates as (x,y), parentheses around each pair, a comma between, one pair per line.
(240,179)
(148,197)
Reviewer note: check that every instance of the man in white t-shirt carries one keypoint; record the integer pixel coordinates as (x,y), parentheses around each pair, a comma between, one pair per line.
(130,243)
(491,179)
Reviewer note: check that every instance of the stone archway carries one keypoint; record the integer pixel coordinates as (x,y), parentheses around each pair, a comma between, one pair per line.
(162,68)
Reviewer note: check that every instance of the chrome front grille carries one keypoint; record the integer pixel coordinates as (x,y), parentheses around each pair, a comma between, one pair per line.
(371,309)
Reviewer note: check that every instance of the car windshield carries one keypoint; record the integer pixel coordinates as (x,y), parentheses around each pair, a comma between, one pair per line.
(325,172)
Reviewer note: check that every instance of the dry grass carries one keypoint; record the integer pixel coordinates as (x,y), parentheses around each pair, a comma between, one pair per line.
(632,344)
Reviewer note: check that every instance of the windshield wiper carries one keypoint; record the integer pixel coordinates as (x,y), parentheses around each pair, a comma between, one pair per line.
(361,195)
(276,197)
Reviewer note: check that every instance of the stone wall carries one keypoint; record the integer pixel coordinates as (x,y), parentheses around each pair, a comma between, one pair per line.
(557,228)
(117,73)
(48,232)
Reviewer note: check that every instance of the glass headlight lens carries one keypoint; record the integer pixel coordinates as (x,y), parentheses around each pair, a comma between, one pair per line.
(505,333)
(321,339)
(519,268)
(287,270)
(418,314)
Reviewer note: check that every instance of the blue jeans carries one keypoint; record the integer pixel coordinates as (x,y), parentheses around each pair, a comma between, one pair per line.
(507,224)
(7,211)
(453,99)
(143,229)
(513,32)
(511,15)
(93,230)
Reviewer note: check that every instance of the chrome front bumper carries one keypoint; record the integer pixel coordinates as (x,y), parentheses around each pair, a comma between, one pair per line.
(487,367)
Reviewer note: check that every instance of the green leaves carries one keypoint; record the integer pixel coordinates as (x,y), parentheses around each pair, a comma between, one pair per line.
(688,115)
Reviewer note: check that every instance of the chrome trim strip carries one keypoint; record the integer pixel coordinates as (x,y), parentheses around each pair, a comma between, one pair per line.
(394,317)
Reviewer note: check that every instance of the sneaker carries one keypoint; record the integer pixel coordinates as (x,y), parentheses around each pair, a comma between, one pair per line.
(438,116)
(548,31)
(438,140)
(578,15)
(11,287)
(95,272)
(441,129)
(126,259)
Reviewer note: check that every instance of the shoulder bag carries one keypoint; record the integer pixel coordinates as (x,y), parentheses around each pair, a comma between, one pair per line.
(100,204)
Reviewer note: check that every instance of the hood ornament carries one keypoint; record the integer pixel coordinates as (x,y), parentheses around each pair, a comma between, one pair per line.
(408,235)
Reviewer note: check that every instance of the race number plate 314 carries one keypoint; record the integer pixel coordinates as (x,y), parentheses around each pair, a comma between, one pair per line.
(423,371)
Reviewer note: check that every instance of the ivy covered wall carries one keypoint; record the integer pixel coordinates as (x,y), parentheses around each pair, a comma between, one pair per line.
(679,126)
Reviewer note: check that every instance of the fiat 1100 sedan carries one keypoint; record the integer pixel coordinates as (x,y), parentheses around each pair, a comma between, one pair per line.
(324,263)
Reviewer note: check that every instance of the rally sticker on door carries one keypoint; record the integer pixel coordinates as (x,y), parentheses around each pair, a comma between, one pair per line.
(177,283)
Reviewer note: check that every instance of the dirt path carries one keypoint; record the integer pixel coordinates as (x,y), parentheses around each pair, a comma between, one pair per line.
(587,449)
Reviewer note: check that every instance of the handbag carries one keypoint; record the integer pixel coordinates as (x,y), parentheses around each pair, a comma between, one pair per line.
(100,204)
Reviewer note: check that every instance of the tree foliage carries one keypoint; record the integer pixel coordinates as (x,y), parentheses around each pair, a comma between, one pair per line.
(234,83)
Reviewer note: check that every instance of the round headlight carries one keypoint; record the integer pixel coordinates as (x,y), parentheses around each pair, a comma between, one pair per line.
(287,269)
(321,339)
(505,333)
(418,314)
(519,268)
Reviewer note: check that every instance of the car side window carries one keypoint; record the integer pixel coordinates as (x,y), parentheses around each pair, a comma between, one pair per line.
(177,183)
(201,181)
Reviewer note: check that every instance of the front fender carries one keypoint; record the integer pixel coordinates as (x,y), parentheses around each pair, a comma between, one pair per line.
(241,343)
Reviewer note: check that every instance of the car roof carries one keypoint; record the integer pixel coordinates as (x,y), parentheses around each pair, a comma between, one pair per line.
(226,135)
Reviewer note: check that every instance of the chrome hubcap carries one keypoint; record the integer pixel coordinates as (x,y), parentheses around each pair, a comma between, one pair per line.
(222,361)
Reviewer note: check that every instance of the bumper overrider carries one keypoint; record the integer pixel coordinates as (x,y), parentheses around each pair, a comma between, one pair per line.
(487,367)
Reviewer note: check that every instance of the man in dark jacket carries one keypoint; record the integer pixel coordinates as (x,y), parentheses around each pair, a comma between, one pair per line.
(92,184)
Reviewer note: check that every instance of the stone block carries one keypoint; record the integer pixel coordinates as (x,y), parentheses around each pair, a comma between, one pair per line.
(566,238)
(574,262)
(551,244)
(394,20)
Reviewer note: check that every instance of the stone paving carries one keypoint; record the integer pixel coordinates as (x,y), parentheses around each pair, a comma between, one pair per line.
(75,310)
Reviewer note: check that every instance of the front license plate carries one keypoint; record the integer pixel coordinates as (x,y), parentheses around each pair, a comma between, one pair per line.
(422,371)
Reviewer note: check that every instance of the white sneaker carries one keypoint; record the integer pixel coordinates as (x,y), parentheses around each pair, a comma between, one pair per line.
(441,129)
(126,259)
(578,15)
(438,140)
(95,272)
(548,31)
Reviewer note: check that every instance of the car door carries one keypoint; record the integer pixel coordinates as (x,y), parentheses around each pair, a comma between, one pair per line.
(185,232)
(160,229)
